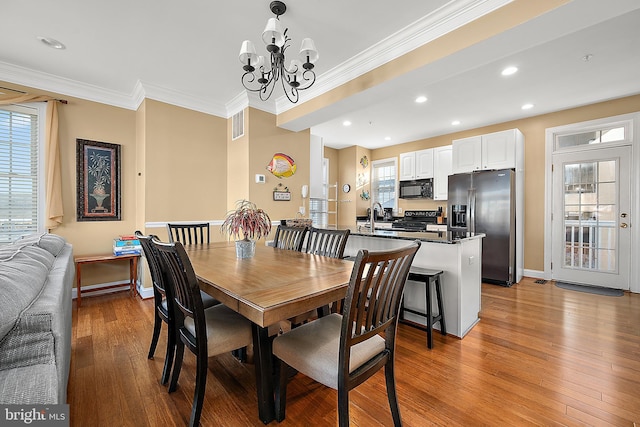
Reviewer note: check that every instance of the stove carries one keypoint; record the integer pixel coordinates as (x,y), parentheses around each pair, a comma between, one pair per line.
(416,220)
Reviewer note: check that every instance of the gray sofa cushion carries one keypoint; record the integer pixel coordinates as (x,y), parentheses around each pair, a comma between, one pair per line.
(22,277)
(50,242)
(30,343)
(29,385)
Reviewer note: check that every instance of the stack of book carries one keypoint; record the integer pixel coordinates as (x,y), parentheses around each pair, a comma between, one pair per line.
(126,245)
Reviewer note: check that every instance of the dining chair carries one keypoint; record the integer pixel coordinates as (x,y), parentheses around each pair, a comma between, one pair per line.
(163,302)
(189,234)
(331,243)
(290,238)
(206,333)
(164,310)
(342,351)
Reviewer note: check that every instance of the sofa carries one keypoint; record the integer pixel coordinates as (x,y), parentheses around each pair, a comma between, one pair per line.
(36,277)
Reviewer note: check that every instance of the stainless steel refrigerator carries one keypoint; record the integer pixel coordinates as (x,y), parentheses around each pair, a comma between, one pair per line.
(485,202)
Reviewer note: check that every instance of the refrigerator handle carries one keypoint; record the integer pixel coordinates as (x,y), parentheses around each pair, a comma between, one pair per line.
(471,221)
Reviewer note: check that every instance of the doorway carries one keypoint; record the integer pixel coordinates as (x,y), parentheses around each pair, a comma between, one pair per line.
(591,203)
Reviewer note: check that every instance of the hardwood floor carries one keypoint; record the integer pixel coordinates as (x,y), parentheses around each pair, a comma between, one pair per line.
(539,356)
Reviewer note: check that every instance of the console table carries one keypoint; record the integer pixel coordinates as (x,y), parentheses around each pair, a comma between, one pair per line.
(82,260)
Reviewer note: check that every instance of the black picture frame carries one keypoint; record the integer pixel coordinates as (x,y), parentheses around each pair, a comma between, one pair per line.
(98,181)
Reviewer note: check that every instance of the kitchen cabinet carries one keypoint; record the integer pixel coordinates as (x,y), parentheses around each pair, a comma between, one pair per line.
(498,150)
(416,165)
(442,168)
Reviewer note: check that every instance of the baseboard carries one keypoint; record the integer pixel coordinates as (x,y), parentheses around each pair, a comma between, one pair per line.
(536,274)
(144,292)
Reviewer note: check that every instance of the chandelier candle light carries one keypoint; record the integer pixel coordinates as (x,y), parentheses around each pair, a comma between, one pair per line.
(262,74)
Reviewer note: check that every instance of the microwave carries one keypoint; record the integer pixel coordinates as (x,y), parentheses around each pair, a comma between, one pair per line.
(417,189)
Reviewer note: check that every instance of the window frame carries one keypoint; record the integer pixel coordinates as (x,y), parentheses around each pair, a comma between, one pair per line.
(374,193)
(41,113)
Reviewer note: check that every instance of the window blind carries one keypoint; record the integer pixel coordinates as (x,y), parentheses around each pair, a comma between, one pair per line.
(384,183)
(19,146)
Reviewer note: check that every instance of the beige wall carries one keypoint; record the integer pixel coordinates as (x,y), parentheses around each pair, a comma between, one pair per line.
(185,157)
(347,175)
(265,139)
(237,166)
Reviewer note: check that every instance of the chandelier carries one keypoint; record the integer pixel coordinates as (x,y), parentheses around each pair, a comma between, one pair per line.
(262,74)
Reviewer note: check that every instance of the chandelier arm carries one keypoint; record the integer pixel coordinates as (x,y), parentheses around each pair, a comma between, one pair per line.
(269,86)
(294,92)
(311,79)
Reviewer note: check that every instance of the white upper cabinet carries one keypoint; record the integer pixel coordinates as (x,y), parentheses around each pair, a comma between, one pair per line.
(442,168)
(424,163)
(407,166)
(416,165)
(498,150)
(467,154)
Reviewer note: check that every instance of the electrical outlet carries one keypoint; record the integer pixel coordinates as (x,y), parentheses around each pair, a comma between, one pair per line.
(301,210)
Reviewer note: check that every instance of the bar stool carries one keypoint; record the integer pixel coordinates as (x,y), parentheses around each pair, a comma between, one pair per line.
(429,277)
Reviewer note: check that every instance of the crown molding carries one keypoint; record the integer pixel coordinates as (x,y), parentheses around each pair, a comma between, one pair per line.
(237,104)
(426,29)
(51,83)
(181,99)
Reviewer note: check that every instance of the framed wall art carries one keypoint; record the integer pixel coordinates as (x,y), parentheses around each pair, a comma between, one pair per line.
(98,180)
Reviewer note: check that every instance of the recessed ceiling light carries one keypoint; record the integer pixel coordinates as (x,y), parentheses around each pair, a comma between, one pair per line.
(421,99)
(527,106)
(455,122)
(346,123)
(52,43)
(509,71)
(387,138)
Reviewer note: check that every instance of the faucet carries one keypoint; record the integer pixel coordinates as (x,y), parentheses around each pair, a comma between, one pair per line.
(372,219)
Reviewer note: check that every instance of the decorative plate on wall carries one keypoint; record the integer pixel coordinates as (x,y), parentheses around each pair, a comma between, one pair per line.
(364,161)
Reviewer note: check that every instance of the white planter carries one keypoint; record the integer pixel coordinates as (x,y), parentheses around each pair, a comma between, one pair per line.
(245,248)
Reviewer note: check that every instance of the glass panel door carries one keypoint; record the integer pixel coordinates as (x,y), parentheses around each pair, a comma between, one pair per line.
(590,217)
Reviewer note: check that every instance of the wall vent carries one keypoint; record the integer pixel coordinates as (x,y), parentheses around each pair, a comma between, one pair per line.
(237,125)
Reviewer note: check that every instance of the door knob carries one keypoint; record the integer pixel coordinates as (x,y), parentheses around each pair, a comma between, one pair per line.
(624,225)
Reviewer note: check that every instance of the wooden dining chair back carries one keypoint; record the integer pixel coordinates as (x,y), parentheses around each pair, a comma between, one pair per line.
(325,242)
(290,238)
(342,351)
(163,301)
(205,333)
(189,234)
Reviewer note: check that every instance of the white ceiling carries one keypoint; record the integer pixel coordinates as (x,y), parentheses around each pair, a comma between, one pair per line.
(185,53)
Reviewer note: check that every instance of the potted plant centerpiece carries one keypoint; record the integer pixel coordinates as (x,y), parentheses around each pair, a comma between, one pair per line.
(246,224)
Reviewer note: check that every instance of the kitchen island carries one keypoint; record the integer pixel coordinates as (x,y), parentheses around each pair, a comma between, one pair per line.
(458,255)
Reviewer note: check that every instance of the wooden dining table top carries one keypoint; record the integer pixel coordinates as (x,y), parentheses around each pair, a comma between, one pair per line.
(273,285)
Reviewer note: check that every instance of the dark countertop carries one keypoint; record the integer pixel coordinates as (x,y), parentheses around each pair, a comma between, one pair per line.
(424,236)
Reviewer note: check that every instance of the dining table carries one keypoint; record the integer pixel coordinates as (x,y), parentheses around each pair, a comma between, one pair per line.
(272,286)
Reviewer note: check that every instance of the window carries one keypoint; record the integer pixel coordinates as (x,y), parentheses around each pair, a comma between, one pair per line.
(597,136)
(383,182)
(21,179)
